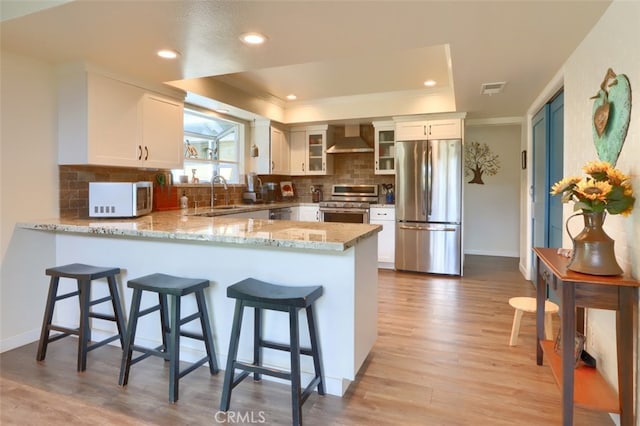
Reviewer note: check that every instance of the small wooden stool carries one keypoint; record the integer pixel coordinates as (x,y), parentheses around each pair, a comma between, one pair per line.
(261,295)
(528,304)
(170,321)
(84,275)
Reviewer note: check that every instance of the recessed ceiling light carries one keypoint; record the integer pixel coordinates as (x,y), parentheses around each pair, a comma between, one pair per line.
(168,54)
(430,83)
(222,110)
(292,97)
(253,38)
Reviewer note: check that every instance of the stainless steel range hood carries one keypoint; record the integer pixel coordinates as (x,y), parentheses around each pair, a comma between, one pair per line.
(352,142)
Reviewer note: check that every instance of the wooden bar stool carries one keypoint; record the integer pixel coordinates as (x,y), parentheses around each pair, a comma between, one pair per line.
(528,304)
(170,321)
(84,275)
(261,295)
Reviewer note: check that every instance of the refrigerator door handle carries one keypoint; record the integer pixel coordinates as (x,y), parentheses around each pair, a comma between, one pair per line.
(430,179)
(425,184)
(427,228)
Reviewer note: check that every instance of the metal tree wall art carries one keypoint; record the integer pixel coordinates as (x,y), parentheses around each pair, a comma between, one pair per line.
(478,161)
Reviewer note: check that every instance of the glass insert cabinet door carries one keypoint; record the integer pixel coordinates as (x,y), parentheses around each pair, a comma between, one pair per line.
(385,151)
(316,149)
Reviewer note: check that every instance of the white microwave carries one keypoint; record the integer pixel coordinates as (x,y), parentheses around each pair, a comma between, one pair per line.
(120,199)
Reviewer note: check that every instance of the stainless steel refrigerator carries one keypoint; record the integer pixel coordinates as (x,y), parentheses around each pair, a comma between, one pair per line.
(429,206)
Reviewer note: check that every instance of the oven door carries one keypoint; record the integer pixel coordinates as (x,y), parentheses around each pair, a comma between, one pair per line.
(344,215)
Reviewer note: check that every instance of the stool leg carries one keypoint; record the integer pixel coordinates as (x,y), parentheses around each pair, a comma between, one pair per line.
(84,289)
(257,341)
(206,332)
(164,320)
(174,349)
(548,326)
(229,373)
(296,406)
(515,328)
(127,351)
(117,308)
(315,348)
(48,317)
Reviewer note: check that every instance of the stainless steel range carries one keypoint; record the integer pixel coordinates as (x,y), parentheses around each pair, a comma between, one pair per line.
(349,203)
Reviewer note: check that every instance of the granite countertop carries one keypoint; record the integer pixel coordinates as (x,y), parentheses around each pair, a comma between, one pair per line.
(179,225)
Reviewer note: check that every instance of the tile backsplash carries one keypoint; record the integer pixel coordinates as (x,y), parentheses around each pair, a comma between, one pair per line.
(74,183)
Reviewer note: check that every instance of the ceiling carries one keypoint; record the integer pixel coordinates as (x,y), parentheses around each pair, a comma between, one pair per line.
(326,52)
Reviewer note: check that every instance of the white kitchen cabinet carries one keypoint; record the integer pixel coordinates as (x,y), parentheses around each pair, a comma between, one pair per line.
(298,147)
(429,129)
(384,147)
(309,213)
(314,148)
(273,149)
(295,213)
(105,121)
(385,216)
(162,130)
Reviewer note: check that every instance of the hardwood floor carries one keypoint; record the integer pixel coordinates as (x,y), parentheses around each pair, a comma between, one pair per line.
(441,358)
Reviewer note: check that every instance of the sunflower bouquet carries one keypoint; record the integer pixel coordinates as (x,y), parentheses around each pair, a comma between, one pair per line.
(603,189)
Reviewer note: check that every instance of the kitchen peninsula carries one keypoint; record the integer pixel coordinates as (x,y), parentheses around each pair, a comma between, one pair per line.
(341,257)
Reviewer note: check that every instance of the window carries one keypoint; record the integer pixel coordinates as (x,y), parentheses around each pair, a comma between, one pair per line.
(212,146)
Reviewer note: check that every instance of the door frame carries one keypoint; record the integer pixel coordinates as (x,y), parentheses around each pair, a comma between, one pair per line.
(526,237)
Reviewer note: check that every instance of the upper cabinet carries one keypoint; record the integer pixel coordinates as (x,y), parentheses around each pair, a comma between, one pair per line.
(273,149)
(429,129)
(309,150)
(105,121)
(384,147)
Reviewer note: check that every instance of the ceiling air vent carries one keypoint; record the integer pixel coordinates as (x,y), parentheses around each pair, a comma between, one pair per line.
(492,88)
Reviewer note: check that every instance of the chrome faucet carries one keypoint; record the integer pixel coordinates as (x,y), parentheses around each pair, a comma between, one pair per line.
(223,181)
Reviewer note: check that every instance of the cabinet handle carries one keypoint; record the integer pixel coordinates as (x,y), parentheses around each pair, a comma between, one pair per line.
(273,166)
(424,130)
(376,165)
(303,167)
(323,166)
(139,152)
(146,153)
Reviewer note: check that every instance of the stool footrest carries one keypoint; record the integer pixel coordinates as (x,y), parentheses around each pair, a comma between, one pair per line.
(283,347)
(66,330)
(99,301)
(190,318)
(252,368)
(191,335)
(102,342)
(106,317)
(66,295)
(157,351)
(148,310)
(193,366)
(59,336)
(309,389)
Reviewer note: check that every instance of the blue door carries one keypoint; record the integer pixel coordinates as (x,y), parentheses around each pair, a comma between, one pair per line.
(548,146)
(556,158)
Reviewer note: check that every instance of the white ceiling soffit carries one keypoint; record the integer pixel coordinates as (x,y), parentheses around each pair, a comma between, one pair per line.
(325,50)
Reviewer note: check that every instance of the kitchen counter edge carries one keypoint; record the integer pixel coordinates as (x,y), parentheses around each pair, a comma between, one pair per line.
(179,225)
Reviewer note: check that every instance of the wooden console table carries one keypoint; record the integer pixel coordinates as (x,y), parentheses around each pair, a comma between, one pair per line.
(585,386)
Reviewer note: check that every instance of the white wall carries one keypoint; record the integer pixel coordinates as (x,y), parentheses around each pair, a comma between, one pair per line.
(492,210)
(29,182)
(612,43)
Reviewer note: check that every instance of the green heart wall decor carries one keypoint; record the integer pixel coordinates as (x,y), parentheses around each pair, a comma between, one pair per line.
(611,115)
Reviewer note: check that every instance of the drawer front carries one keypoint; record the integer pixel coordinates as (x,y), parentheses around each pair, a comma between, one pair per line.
(382,213)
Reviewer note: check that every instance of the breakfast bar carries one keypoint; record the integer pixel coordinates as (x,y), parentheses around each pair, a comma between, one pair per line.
(340,257)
